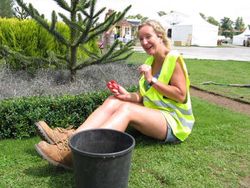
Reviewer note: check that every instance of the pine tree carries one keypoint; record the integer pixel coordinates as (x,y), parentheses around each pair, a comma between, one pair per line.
(227,27)
(83,28)
(239,25)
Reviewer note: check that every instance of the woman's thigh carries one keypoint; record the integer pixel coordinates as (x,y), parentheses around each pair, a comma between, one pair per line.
(150,122)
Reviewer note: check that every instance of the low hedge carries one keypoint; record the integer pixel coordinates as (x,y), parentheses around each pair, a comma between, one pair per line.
(18,115)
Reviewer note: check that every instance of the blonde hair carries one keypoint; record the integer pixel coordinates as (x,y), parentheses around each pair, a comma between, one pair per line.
(159,30)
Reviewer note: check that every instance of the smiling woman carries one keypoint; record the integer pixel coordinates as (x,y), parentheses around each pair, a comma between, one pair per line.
(163,94)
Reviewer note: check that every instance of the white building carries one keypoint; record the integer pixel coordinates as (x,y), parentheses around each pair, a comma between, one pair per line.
(185,30)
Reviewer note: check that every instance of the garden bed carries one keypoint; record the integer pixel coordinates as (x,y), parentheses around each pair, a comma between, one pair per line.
(48,82)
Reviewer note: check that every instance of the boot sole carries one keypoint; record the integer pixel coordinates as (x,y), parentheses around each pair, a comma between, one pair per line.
(51,161)
(43,134)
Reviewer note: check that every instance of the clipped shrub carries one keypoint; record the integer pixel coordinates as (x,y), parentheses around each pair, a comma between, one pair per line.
(30,39)
(19,115)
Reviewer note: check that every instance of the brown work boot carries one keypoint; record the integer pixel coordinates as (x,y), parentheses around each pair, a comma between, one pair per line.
(55,135)
(58,154)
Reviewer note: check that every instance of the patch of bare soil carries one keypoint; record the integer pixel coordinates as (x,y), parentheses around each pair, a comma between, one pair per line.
(231,104)
(245,183)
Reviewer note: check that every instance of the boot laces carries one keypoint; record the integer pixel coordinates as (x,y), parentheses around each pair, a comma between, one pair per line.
(63,145)
(64,130)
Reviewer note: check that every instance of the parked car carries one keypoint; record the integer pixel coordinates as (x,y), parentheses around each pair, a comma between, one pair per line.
(246,41)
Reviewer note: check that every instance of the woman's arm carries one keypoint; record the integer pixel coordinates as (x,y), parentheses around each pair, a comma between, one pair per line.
(122,94)
(131,97)
(176,90)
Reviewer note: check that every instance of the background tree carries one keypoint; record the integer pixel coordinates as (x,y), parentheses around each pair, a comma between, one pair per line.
(213,21)
(226,27)
(210,19)
(161,13)
(6,8)
(239,26)
(83,27)
(137,16)
(203,16)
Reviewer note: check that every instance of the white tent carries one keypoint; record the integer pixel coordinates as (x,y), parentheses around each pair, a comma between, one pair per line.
(187,29)
(238,39)
(195,31)
(172,18)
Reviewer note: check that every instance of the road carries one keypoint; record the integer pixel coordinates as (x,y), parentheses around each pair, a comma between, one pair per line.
(229,52)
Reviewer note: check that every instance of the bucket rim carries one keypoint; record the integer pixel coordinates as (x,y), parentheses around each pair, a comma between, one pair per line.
(103,155)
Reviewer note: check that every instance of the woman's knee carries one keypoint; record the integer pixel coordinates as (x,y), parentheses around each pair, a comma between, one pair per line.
(126,109)
(112,102)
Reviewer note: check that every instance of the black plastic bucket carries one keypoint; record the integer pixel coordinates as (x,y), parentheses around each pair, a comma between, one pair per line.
(101,158)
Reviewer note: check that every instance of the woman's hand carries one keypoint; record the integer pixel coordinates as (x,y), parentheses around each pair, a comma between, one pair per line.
(116,89)
(146,71)
(121,93)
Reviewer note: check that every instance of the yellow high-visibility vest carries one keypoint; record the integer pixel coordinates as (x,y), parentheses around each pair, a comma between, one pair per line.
(181,112)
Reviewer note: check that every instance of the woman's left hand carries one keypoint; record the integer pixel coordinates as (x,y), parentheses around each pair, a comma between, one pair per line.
(146,71)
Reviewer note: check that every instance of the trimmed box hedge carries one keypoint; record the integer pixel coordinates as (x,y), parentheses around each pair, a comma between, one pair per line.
(18,115)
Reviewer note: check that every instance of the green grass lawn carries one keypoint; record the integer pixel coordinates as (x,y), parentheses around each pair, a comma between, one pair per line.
(217,154)
(225,72)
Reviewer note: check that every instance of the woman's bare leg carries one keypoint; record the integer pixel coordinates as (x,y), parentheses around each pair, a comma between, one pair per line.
(97,118)
(148,121)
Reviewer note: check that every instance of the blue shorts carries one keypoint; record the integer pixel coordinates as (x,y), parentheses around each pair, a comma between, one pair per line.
(171,138)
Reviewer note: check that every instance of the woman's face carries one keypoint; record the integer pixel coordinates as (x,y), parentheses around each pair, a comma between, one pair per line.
(149,39)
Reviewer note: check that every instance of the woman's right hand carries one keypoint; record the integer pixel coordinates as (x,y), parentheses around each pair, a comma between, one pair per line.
(121,93)
(116,89)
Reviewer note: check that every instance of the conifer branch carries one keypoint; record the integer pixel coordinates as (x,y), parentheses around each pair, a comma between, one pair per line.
(104,25)
(25,61)
(99,12)
(53,20)
(63,4)
(91,54)
(70,23)
(124,49)
(90,61)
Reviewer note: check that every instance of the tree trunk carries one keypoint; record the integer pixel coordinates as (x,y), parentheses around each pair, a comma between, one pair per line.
(73,49)
(73,61)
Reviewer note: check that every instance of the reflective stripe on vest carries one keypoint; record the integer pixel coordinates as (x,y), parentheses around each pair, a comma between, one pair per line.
(181,112)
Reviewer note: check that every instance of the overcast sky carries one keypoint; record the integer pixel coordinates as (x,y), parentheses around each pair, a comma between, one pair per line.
(215,8)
